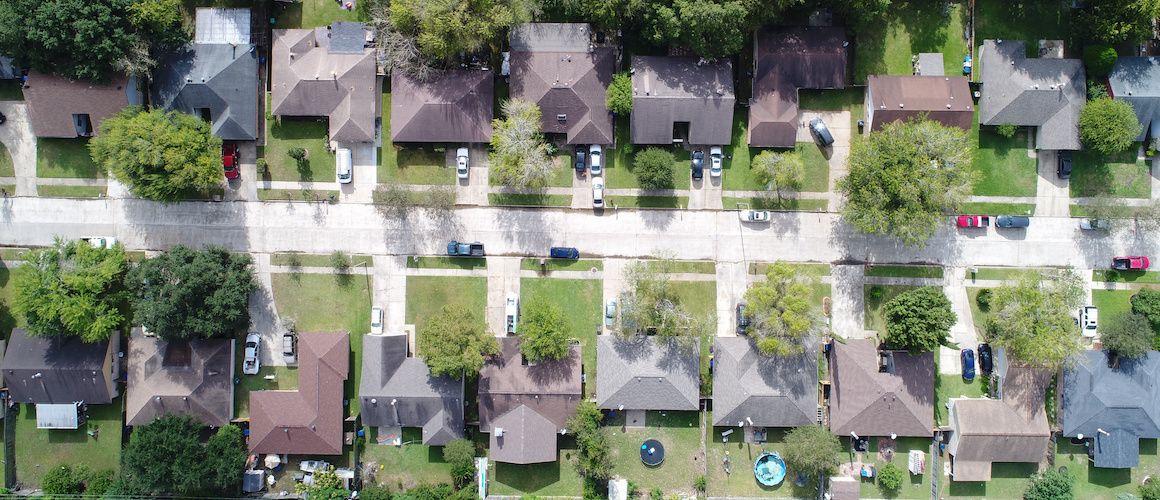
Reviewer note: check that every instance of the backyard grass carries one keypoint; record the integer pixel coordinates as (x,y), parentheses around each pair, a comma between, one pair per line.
(285,379)
(311,14)
(1003,164)
(313,195)
(998,208)
(620,175)
(1008,480)
(7,169)
(900,271)
(48,191)
(678,431)
(38,450)
(426,296)
(10,90)
(772,203)
(445,262)
(551,479)
(1120,176)
(411,464)
(874,319)
(580,301)
(414,164)
(529,200)
(646,201)
(741,482)
(913,486)
(1111,275)
(66,158)
(317,260)
(533,264)
(1096,483)
(284,133)
(911,28)
(1027,21)
(1113,303)
(953,386)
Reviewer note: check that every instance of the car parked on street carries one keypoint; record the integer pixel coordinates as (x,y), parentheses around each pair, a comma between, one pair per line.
(610,313)
(250,362)
(716,159)
(1063,165)
(1095,224)
(821,133)
(595,159)
(698,165)
(985,361)
(230,159)
(457,249)
(973,220)
(377,320)
(563,253)
(753,215)
(1012,221)
(462,163)
(581,160)
(967,357)
(598,192)
(100,241)
(1089,318)
(1130,263)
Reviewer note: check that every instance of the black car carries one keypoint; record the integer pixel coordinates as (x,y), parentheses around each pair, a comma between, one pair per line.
(821,133)
(742,319)
(1012,221)
(580,160)
(1063,168)
(985,358)
(698,165)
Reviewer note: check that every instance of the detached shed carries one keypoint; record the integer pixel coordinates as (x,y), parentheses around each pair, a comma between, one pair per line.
(59,415)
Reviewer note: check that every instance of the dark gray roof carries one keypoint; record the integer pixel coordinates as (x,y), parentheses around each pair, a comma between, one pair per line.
(647,373)
(525,435)
(1136,80)
(192,378)
(667,90)
(218,76)
(397,390)
(347,38)
(58,369)
(1122,401)
(551,37)
(1036,92)
(770,391)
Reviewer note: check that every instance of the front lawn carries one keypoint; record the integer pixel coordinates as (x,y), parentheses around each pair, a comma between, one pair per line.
(318,260)
(408,465)
(414,164)
(913,486)
(533,264)
(580,301)
(874,302)
(740,482)
(66,158)
(562,171)
(1119,176)
(772,203)
(51,191)
(96,444)
(1003,164)
(529,200)
(7,169)
(311,14)
(619,174)
(689,266)
(548,479)
(904,271)
(678,431)
(1097,483)
(909,29)
(646,201)
(446,262)
(1113,275)
(1112,303)
(284,133)
(983,207)
(979,317)
(426,296)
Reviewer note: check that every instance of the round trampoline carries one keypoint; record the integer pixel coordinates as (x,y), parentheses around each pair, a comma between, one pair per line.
(769,469)
(652,453)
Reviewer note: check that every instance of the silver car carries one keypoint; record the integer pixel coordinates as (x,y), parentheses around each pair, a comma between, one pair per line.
(610,313)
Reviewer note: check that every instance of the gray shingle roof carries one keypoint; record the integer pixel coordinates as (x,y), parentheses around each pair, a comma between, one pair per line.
(53,101)
(770,391)
(220,77)
(59,369)
(1037,92)
(1136,80)
(524,439)
(647,373)
(1122,401)
(193,378)
(870,402)
(667,90)
(397,390)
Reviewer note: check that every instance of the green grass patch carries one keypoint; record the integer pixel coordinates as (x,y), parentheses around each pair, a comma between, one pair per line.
(1008,480)
(678,431)
(533,264)
(8,319)
(901,271)
(561,175)
(529,200)
(7,169)
(1112,303)
(953,386)
(817,177)
(619,174)
(1112,275)
(979,317)
(317,260)
(10,90)
(550,479)
(1003,20)
(908,29)
(1096,483)
(874,302)
(807,268)
(285,379)
(446,262)
(426,296)
(646,201)
(8,188)
(689,266)
(581,302)
(311,14)
(735,169)
(415,164)
(619,158)
(284,133)
(1003,164)
(50,191)
(12,253)
(741,483)
(313,195)
(1119,176)
(913,487)
(1000,273)
(411,464)
(785,204)
(66,158)
(39,450)
(1125,212)
(998,208)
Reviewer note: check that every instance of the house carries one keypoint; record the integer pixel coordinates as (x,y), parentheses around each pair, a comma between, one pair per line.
(397,390)
(944,99)
(557,66)
(680,99)
(523,406)
(1035,92)
(63,108)
(1113,407)
(307,420)
(60,375)
(193,378)
(1136,80)
(328,71)
(763,391)
(216,77)
(786,60)
(647,373)
(453,106)
(880,393)
(1010,429)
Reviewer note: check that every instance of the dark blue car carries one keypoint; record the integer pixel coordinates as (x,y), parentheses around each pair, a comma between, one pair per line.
(564,253)
(968,358)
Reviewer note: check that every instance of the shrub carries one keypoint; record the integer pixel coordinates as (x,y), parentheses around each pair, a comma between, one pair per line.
(263,167)
(1007,130)
(700,484)
(1146,302)
(1096,90)
(1150,490)
(656,494)
(654,168)
(298,154)
(620,94)
(1108,126)
(1055,484)
(983,299)
(876,293)
(460,453)
(63,480)
(340,262)
(1099,60)
(890,478)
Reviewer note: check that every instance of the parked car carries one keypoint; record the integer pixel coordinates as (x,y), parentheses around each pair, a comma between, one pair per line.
(973,220)
(698,165)
(598,192)
(250,362)
(595,160)
(343,166)
(511,312)
(742,318)
(753,216)
(985,362)
(1063,165)
(290,348)
(715,161)
(610,313)
(564,253)
(1130,263)
(377,320)
(462,163)
(581,162)
(1088,320)
(1012,221)
(455,248)
(1095,224)
(230,159)
(967,356)
(821,133)
(100,241)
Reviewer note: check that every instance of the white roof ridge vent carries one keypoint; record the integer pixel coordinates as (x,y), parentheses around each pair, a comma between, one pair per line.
(901,105)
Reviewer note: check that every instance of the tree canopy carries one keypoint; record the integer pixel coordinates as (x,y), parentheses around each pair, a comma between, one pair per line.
(811,450)
(454,342)
(1108,126)
(593,460)
(779,310)
(1115,21)
(1033,317)
(460,454)
(779,171)
(166,457)
(73,289)
(904,177)
(1053,484)
(653,168)
(543,334)
(519,155)
(417,36)
(190,294)
(919,320)
(1146,302)
(1127,335)
(160,155)
(326,486)
(225,454)
(652,303)
(78,39)
(620,94)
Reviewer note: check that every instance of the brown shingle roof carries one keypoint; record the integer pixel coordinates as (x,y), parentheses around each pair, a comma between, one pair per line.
(183,378)
(53,100)
(945,99)
(454,106)
(789,59)
(306,421)
(1013,429)
(667,90)
(868,402)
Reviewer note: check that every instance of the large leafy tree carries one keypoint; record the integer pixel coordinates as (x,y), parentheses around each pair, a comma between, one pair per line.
(1108,126)
(620,94)
(1146,302)
(166,457)
(543,335)
(780,312)
(653,168)
(779,171)
(189,294)
(159,22)
(712,29)
(1033,319)
(225,458)
(594,459)
(652,303)
(460,454)
(454,342)
(1115,21)
(73,289)
(811,450)
(904,177)
(1127,335)
(1053,484)
(79,39)
(519,155)
(919,320)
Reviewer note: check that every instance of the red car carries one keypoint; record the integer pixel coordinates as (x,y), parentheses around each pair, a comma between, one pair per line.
(1131,263)
(973,220)
(230,160)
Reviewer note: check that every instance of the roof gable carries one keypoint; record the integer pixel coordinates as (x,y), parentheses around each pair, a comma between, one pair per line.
(570,83)
(201,386)
(869,402)
(668,90)
(647,373)
(769,391)
(58,369)
(307,420)
(398,390)
(454,106)
(1043,93)
(220,77)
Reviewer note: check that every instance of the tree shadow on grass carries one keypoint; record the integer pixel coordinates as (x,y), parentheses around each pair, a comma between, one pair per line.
(527,478)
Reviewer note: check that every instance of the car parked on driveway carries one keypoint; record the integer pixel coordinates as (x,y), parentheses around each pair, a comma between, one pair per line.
(250,362)
(753,215)
(230,159)
(742,318)
(343,166)
(715,161)
(1130,263)
(821,133)
(973,220)
(595,159)
(598,192)
(581,160)
(462,163)
(1063,165)
(698,165)
(290,348)
(967,357)
(511,313)
(1095,224)
(610,313)
(1012,221)
(985,362)
(1088,320)
(377,320)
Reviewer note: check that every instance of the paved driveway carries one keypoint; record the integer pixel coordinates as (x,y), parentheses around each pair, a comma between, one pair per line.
(16,135)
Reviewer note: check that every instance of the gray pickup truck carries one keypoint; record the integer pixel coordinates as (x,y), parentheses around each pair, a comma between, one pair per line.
(457,249)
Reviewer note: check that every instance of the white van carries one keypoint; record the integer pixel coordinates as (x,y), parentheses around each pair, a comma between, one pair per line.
(343,169)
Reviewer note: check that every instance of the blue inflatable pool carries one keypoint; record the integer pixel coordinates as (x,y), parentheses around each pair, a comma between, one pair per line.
(769,469)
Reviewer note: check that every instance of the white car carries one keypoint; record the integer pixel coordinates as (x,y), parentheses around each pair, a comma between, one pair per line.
(101,241)
(343,166)
(511,313)
(1088,320)
(597,192)
(753,216)
(461,163)
(715,160)
(377,320)
(250,363)
(595,160)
